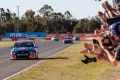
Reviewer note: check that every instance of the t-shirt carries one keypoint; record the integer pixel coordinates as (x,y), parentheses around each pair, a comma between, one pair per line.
(113,20)
(115,2)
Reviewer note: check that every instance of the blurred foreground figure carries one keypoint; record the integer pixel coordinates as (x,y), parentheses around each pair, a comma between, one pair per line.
(115,2)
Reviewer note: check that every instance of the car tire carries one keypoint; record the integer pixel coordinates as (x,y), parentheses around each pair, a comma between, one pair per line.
(36,57)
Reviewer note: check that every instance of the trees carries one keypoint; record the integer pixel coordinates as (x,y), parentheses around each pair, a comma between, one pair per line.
(68,15)
(87,25)
(29,20)
(57,15)
(6,21)
(46,10)
(2,14)
(48,21)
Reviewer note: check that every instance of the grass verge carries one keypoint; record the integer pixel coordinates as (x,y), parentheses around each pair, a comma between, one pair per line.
(6,44)
(67,66)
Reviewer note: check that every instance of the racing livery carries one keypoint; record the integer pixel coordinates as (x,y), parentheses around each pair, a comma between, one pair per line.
(24,49)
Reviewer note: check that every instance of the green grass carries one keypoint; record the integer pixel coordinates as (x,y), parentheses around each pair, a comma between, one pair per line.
(67,65)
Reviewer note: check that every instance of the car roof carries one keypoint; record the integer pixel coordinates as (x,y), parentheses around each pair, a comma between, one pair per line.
(67,37)
(20,41)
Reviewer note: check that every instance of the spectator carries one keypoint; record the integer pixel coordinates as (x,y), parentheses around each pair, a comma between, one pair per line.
(115,2)
(115,33)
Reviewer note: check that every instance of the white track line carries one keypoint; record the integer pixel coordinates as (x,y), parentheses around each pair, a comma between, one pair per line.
(34,64)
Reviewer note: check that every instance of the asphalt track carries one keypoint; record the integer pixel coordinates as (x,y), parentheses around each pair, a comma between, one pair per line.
(45,49)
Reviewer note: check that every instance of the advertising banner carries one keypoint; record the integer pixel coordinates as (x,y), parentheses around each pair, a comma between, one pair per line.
(25,35)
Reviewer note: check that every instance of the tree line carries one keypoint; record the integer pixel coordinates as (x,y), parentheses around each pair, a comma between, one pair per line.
(47,21)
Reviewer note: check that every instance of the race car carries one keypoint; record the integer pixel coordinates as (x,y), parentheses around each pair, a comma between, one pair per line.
(24,49)
(68,40)
(55,38)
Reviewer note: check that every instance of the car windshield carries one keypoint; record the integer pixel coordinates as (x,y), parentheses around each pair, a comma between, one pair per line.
(24,44)
(67,38)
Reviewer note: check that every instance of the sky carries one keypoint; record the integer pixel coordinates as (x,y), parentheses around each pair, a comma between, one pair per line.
(78,8)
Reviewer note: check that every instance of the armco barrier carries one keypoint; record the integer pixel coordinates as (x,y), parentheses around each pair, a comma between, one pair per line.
(89,36)
(16,39)
(6,39)
(48,38)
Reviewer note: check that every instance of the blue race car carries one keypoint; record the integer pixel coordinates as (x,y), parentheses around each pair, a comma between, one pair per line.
(24,49)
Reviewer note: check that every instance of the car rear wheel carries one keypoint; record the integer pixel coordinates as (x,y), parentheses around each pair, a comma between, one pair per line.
(37,57)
